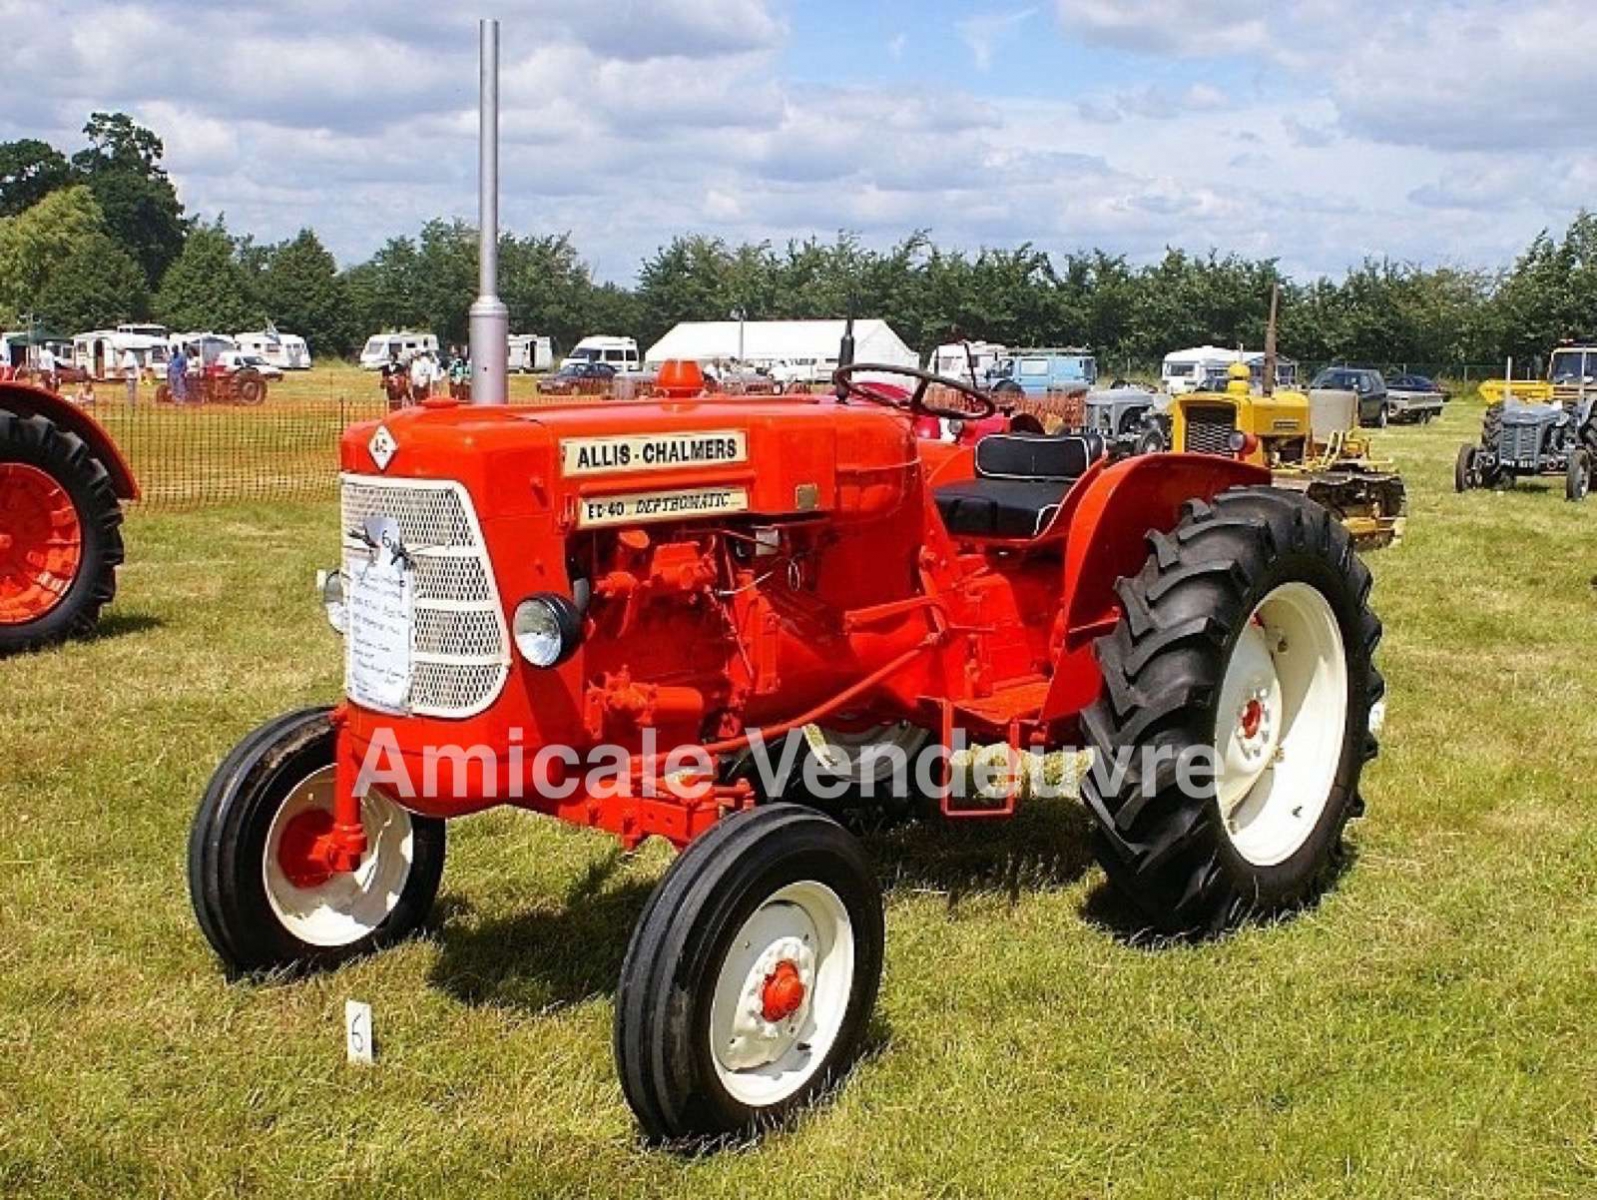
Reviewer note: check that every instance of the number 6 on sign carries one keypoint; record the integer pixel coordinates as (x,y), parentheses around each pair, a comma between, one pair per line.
(358,1041)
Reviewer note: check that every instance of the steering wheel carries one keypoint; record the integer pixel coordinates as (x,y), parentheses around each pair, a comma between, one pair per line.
(915,402)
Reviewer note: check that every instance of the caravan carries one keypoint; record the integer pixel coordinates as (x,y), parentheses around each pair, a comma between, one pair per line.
(529,353)
(285,351)
(403,345)
(1203,368)
(99,353)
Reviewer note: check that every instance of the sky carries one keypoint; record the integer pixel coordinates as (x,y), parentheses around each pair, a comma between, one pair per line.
(1315,131)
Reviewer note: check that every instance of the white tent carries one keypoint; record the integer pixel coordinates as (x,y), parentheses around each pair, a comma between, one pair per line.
(799,344)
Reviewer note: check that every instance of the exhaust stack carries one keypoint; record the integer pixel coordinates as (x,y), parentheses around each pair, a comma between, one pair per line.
(490,319)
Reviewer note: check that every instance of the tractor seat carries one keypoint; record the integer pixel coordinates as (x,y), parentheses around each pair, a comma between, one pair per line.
(1020,481)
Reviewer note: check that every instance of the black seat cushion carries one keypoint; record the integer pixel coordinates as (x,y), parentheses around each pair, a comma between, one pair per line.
(1015,508)
(1021,479)
(1036,455)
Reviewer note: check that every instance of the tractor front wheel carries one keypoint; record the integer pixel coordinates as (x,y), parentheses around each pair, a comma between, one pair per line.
(1577,476)
(263,894)
(1465,469)
(750,977)
(1235,719)
(61,536)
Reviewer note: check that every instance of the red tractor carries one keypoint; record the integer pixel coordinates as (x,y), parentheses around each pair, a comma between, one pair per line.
(62,484)
(630,616)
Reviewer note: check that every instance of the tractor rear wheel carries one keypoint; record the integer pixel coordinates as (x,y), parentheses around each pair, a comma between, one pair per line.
(1245,652)
(1577,475)
(1465,469)
(249,388)
(61,536)
(263,898)
(750,977)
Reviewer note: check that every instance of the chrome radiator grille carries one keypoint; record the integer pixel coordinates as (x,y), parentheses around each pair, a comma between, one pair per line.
(1209,429)
(461,653)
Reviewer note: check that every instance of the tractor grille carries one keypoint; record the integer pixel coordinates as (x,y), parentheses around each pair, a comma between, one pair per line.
(1209,429)
(462,648)
(1520,443)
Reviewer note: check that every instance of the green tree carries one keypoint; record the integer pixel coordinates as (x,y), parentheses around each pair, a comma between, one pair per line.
(98,286)
(35,244)
(122,165)
(207,288)
(303,293)
(29,171)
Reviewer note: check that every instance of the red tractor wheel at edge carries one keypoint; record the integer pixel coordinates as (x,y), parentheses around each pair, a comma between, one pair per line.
(62,484)
(712,576)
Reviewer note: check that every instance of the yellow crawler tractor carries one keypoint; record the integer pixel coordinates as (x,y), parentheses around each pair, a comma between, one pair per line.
(1309,440)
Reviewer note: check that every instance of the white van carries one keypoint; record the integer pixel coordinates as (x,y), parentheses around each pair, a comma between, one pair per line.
(529,352)
(619,352)
(285,351)
(1185,370)
(401,344)
(953,361)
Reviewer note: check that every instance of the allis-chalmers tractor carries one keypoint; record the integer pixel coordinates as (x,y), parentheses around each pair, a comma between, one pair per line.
(690,578)
(62,483)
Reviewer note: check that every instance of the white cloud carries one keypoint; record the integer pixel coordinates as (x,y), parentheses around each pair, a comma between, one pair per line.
(986,33)
(628,122)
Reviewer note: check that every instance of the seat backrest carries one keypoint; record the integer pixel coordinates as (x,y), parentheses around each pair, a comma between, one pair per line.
(1036,456)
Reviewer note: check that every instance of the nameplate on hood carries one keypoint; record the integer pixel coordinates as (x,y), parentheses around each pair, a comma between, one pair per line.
(653,451)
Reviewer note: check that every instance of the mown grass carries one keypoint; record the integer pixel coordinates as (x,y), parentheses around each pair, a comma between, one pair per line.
(1427,1031)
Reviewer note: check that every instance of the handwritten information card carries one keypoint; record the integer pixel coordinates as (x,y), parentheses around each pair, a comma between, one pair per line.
(381,615)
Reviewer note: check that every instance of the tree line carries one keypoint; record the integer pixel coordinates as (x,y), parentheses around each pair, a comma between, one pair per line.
(101,237)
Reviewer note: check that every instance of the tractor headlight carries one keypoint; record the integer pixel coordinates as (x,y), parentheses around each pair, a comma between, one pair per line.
(331,586)
(547,628)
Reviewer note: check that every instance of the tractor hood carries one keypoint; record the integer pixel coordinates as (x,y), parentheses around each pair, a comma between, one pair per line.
(597,464)
(1534,414)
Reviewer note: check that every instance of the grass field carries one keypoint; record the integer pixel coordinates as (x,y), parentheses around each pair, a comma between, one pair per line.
(1427,1031)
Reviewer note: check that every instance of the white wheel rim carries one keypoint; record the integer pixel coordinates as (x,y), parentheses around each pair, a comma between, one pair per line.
(1281,724)
(351,904)
(843,754)
(803,928)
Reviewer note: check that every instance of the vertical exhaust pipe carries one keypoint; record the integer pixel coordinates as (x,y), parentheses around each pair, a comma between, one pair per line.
(490,319)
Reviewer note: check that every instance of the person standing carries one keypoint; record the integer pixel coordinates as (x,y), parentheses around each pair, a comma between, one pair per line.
(421,378)
(130,369)
(177,376)
(47,368)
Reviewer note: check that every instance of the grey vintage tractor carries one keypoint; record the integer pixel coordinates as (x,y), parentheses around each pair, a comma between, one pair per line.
(1556,438)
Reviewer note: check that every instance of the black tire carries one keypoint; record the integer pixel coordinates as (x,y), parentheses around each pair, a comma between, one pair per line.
(1577,475)
(1464,469)
(1183,614)
(66,458)
(1383,417)
(249,388)
(1151,441)
(1492,427)
(681,942)
(228,846)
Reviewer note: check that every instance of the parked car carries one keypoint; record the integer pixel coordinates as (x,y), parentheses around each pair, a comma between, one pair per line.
(230,362)
(579,379)
(1415,397)
(1374,405)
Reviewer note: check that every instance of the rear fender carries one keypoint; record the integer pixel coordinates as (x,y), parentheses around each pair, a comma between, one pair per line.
(26,400)
(1106,539)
